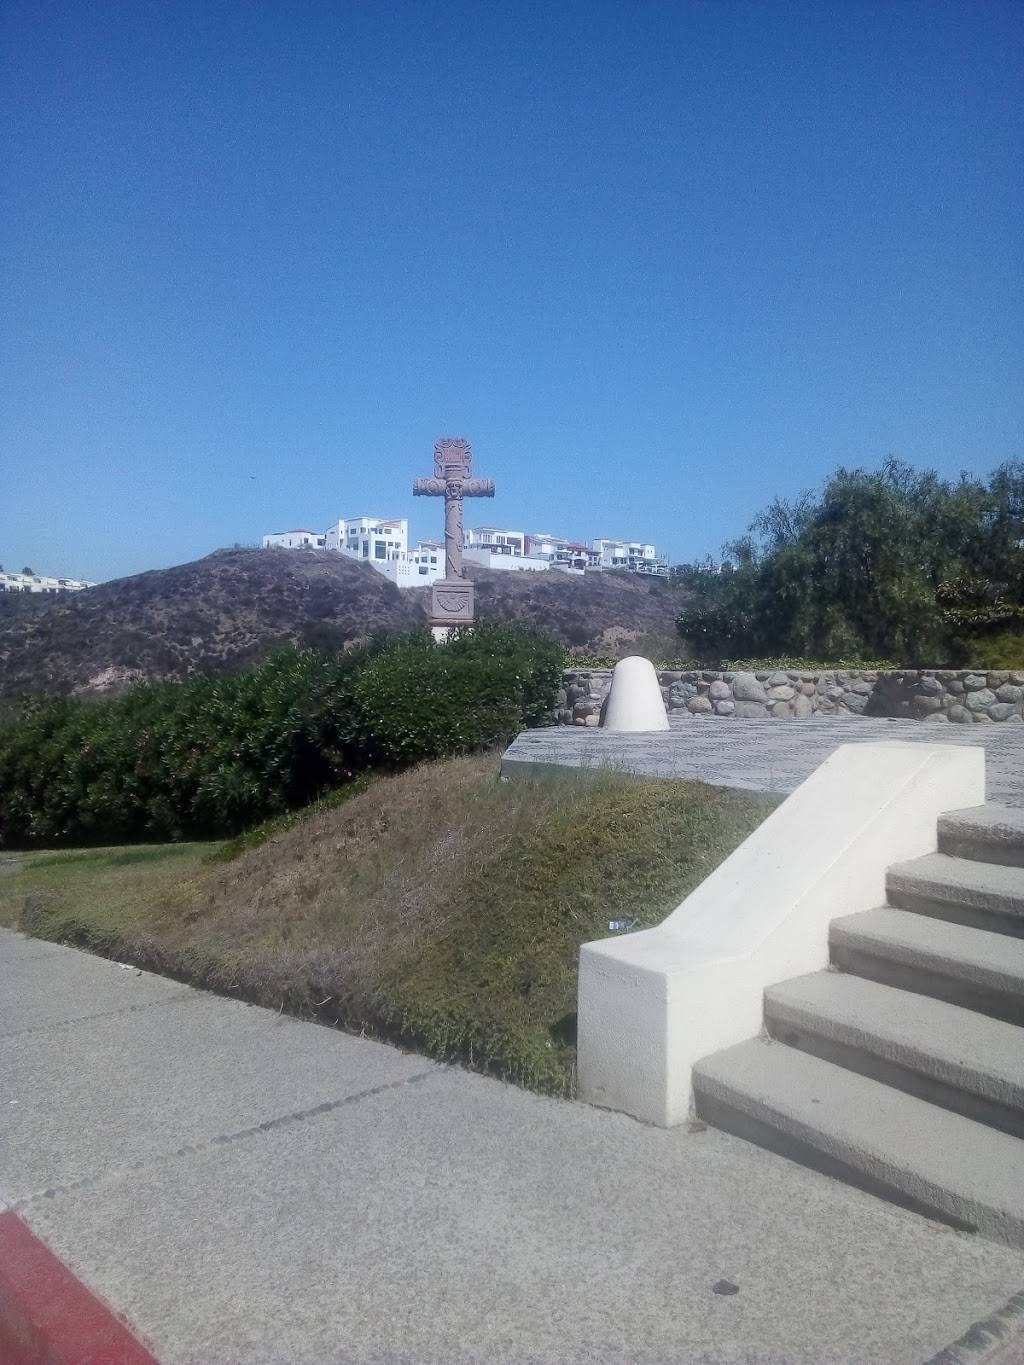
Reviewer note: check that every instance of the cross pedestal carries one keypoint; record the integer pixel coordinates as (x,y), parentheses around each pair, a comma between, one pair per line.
(452,596)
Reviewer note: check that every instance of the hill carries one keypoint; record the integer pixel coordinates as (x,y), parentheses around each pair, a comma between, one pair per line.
(235,606)
(217,613)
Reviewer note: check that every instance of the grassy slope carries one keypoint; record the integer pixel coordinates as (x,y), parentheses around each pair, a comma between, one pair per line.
(440,908)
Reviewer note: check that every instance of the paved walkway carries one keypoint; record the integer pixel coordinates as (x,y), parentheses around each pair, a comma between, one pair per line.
(250,1189)
(762,755)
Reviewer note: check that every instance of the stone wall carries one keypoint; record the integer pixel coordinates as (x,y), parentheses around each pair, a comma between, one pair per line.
(962,696)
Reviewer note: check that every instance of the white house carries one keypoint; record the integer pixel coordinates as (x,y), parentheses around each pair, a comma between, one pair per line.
(635,556)
(378,540)
(496,540)
(495,548)
(423,564)
(294,540)
(24,582)
(559,553)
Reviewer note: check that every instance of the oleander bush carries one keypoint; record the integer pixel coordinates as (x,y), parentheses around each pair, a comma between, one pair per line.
(213,756)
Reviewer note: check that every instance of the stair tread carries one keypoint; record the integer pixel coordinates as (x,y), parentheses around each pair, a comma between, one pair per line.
(991,834)
(958,1046)
(991,819)
(960,880)
(977,955)
(924,1153)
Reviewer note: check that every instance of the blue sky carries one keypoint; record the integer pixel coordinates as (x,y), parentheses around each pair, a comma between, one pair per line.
(659,262)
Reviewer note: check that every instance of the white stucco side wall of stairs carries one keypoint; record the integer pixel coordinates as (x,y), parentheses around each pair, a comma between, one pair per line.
(651,1004)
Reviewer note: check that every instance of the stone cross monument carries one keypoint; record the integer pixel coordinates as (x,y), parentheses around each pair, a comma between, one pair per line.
(452,598)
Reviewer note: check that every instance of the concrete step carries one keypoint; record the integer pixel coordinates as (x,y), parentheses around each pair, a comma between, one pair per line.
(939,1052)
(869,1134)
(965,966)
(988,834)
(986,895)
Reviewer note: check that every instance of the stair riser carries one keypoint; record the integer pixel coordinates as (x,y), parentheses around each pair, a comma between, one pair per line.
(1005,853)
(930,980)
(993,921)
(724,1114)
(1007,1116)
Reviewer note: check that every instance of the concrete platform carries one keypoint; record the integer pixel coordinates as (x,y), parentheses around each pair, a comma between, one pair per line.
(249,1189)
(760,755)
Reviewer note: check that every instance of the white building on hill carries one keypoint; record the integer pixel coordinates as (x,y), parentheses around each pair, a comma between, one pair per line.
(496,540)
(495,548)
(423,564)
(635,556)
(294,540)
(378,540)
(383,542)
(559,553)
(36,582)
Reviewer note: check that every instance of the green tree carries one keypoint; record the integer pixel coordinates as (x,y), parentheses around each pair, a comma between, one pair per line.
(882,563)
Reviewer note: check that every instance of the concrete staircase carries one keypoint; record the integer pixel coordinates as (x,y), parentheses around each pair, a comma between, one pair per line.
(901,1069)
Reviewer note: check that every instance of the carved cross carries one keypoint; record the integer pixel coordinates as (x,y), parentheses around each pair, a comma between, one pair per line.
(453,464)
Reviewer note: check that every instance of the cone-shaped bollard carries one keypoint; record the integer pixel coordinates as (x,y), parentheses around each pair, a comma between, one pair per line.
(635,701)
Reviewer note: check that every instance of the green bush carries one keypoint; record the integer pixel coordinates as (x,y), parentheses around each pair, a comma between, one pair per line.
(995,651)
(422,700)
(212,757)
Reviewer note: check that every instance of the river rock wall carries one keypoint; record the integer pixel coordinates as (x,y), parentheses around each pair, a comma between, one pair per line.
(963,696)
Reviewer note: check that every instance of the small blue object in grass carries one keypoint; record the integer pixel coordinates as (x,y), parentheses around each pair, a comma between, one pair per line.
(621,926)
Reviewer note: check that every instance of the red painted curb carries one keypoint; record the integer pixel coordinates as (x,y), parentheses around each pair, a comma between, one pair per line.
(47,1316)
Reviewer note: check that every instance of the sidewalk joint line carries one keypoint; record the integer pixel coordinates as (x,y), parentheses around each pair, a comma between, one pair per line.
(222,1140)
(175,999)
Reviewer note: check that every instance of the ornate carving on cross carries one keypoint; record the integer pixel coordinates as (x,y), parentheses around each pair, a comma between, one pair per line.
(453,464)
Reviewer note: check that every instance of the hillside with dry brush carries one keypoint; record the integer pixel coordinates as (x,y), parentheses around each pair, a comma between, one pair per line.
(235,606)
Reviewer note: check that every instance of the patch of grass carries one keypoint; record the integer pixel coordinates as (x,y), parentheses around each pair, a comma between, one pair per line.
(231,849)
(104,899)
(439,908)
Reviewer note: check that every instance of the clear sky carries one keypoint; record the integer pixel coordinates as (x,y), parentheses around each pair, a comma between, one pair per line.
(659,262)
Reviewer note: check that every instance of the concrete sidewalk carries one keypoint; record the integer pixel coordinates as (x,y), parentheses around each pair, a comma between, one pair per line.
(246,1188)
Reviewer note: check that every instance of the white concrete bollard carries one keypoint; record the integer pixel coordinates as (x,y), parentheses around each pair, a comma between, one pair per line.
(635,702)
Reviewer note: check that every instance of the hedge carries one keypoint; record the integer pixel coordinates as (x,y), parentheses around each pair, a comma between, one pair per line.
(210,757)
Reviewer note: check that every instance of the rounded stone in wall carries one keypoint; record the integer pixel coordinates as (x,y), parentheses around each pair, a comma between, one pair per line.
(995,679)
(925,705)
(974,682)
(680,693)
(929,687)
(855,701)
(1002,710)
(698,706)
(836,693)
(959,715)
(1009,692)
(980,700)
(778,680)
(780,710)
(751,710)
(725,707)
(720,691)
(956,686)
(782,692)
(746,687)
(802,706)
